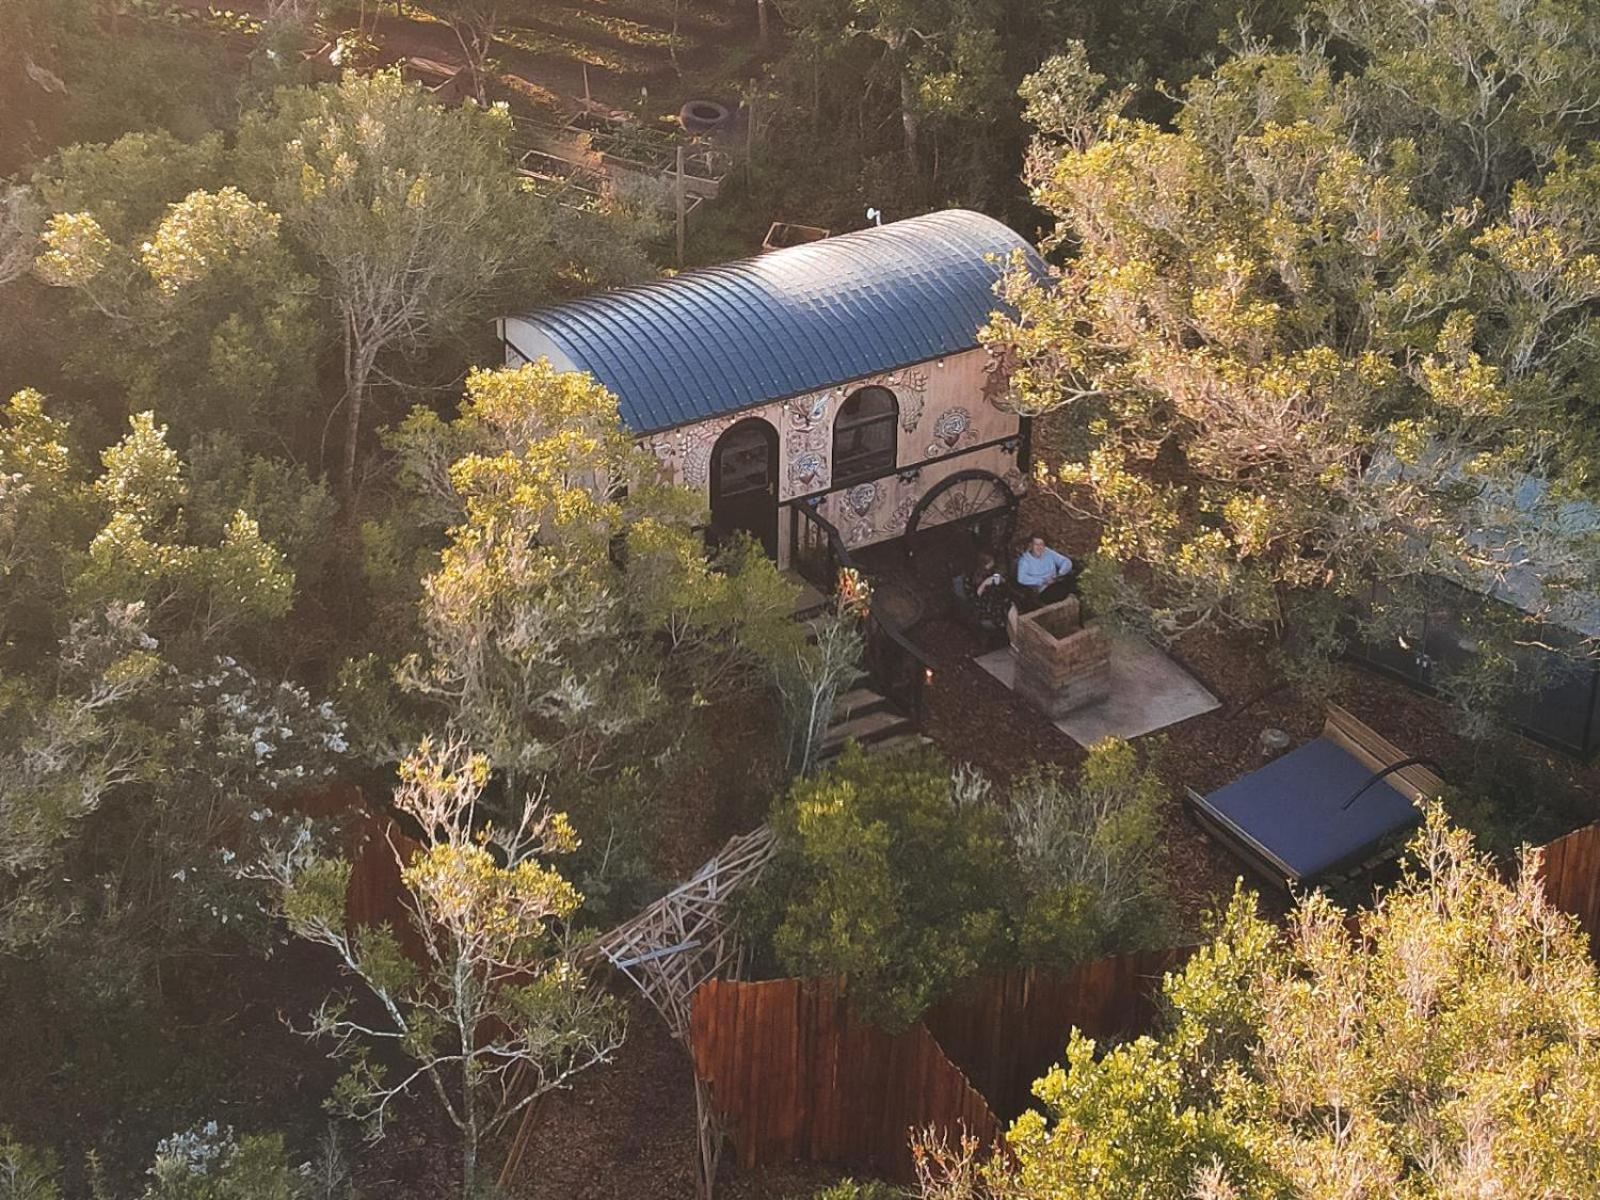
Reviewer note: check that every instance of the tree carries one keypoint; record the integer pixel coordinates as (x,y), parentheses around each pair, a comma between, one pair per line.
(1443,1043)
(188,294)
(414,215)
(574,617)
(1291,383)
(138,747)
(573,625)
(944,56)
(890,874)
(476,23)
(810,675)
(1089,858)
(492,1013)
(1489,91)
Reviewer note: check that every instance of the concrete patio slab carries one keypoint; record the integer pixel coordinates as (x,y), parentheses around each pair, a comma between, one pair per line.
(1148,692)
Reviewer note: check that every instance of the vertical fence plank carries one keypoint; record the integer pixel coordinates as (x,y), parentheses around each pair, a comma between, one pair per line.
(798,1077)
(1571,875)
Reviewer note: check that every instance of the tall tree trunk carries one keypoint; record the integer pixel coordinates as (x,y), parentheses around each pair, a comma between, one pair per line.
(469,1161)
(359,361)
(910,122)
(469,1098)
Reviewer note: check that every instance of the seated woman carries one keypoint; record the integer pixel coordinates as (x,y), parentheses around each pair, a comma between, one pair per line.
(987,591)
(1044,576)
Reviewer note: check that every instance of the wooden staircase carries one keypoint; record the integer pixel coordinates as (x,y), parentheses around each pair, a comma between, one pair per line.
(869,719)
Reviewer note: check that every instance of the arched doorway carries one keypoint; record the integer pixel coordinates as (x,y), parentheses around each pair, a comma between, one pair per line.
(744,482)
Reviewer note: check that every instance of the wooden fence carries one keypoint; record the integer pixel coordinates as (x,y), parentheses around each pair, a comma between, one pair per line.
(798,1077)
(374,893)
(1571,874)
(1006,1030)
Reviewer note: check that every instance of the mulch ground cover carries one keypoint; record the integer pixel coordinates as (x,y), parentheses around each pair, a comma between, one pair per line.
(628,1129)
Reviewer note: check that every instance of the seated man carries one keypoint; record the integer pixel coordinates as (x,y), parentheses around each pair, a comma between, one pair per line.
(1043,575)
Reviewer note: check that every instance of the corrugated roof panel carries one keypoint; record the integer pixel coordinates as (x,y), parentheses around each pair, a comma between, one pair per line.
(745,333)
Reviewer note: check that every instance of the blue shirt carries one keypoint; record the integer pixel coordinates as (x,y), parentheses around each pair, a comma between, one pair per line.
(1037,571)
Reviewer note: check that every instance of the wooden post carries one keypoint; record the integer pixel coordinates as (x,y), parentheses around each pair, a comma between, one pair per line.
(710,1136)
(682,214)
(761,22)
(749,134)
(586,99)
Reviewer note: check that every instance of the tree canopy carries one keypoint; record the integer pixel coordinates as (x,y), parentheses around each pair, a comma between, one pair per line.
(1443,1043)
(1296,374)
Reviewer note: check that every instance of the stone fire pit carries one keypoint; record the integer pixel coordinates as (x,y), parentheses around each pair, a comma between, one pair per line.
(1063,663)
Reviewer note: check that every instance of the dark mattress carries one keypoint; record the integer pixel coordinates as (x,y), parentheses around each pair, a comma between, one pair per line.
(1289,811)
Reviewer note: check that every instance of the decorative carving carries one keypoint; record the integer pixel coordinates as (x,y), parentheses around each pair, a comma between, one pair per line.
(691,446)
(808,470)
(661,447)
(997,384)
(851,511)
(805,412)
(952,423)
(697,462)
(951,431)
(862,497)
(902,511)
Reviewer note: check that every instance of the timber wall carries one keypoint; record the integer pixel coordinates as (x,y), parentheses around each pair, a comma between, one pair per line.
(798,1077)
(1571,875)
(1006,1030)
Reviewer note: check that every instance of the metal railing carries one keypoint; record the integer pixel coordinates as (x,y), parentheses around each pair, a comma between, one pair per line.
(893,664)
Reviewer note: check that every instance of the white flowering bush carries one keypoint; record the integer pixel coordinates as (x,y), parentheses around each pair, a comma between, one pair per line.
(132,749)
(207,1161)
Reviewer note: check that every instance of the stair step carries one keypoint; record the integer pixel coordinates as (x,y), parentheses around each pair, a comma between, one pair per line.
(857,702)
(809,602)
(865,729)
(898,744)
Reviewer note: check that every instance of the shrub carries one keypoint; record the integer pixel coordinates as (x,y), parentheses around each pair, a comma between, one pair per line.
(849,1189)
(883,879)
(1088,855)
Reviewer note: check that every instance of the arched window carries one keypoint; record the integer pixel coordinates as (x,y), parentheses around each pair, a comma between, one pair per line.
(864,436)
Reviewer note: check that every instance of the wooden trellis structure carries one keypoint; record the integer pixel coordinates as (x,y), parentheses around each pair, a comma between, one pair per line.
(681,941)
(686,937)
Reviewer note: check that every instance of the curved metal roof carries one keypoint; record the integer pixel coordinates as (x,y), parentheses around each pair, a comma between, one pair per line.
(791,321)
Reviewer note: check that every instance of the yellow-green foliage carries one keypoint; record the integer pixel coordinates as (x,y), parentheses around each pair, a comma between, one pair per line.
(1089,858)
(1445,1045)
(573,606)
(141,552)
(883,880)
(201,231)
(123,536)
(1267,304)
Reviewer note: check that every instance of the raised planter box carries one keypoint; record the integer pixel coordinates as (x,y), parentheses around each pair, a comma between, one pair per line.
(1063,663)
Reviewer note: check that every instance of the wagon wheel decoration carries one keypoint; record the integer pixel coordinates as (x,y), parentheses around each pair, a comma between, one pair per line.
(961,514)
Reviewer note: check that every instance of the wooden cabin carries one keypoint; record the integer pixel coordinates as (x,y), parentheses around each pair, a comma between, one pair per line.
(842,375)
